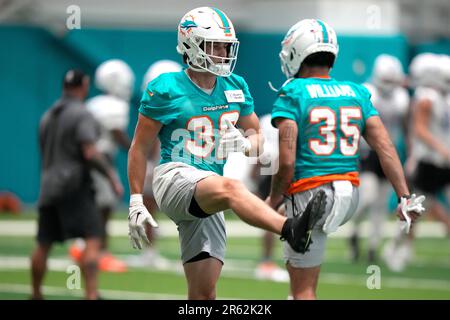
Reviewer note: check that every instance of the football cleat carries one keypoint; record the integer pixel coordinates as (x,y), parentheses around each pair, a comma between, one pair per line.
(297,231)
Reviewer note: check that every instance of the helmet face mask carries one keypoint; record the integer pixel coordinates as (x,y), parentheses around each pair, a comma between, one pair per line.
(217,64)
(303,39)
(200,32)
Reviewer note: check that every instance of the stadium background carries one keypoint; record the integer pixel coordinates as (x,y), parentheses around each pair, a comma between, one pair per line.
(36,48)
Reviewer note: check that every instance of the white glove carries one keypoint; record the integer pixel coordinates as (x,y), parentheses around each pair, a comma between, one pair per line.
(413,204)
(137,217)
(233,140)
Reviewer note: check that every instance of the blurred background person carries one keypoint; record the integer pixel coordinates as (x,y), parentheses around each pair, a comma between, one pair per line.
(67,140)
(115,79)
(428,165)
(391,100)
(150,255)
(261,173)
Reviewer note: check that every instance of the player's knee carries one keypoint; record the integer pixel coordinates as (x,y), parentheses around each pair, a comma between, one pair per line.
(305,294)
(232,189)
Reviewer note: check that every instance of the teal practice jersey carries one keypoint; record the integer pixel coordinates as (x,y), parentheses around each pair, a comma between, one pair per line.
(192,119)
(331,117)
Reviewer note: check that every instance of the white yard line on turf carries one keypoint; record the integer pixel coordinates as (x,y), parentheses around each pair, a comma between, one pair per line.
(109,294)
(237,269)
(234,229)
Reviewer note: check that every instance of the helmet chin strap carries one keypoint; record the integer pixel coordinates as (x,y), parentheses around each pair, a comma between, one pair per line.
(275,89)
(191,66)
(272,87)
(218,69)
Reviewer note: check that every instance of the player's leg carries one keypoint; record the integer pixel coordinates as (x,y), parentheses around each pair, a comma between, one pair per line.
(268,241)
(367,191)
(106,200)
(303,282)
(398,251)
(267,268)
(193,193)
(202,276)
(202,238)
(216,193)
(304,268)
(203,245)
(89,266)
(439,213)
(377,216)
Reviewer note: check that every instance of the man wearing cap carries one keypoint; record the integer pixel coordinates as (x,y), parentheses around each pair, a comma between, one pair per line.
(67,136)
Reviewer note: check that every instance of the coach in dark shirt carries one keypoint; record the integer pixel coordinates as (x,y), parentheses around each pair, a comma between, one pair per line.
(67,136)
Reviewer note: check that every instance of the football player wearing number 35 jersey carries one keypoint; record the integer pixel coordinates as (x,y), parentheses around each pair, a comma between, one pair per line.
(320,122)
(194,113)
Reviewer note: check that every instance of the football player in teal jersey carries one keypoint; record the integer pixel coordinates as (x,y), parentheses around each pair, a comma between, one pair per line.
(194,113)
(320,122)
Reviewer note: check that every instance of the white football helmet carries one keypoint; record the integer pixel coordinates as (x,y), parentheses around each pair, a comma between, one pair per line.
(115,77)
(387,73)
(445,65)
(425,70)
(160,67)
(198,30)
(303,39)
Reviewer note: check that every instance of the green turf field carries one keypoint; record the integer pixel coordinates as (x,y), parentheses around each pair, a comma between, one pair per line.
(428,277)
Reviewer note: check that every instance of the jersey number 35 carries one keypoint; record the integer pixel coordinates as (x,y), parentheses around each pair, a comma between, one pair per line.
(348,145)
